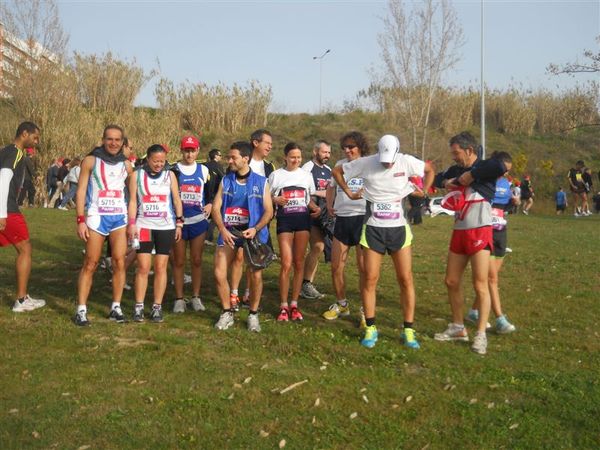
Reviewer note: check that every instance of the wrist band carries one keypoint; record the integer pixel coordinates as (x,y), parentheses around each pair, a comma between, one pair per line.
(80,219)
(131,221)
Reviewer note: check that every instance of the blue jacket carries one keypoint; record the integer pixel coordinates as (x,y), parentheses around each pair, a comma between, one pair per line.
(256,186)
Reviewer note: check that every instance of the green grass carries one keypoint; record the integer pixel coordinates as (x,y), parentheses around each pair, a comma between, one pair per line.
(181,384)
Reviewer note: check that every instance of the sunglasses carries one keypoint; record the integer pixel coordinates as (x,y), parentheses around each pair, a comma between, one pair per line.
(349,146)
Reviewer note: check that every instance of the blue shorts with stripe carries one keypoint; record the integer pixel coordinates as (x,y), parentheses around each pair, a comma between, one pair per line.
(105,225)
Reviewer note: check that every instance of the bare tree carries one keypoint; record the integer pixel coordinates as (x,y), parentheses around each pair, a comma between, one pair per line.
(35,21)
(419,42)
(591,65)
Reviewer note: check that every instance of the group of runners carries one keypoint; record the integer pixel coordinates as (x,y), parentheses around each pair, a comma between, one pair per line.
(153,211)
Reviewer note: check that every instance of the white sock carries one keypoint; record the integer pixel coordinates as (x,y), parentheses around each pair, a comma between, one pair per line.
(234,292)
(139,306)
(343,303)
(115,305)
(459,325)
(294,304)
(81,308)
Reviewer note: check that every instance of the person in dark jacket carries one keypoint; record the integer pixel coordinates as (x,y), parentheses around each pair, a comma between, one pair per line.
(29,176)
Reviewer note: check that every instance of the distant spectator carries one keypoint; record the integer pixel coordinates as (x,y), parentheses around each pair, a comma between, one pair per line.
(52,180)
(526,194)
(575,178)
(588,185)
(561,201)
(516,196)
(29,176)
(72,179)
(596,199)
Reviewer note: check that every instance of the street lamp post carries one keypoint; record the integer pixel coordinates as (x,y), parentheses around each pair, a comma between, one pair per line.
(320,58)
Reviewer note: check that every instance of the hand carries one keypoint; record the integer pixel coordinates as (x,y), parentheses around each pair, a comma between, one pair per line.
(83,232)
(315,213)
(177,234)
(228,238)
(280,201)
(249,233)
(132,232)
(355,195)
(2,224)
(207,211)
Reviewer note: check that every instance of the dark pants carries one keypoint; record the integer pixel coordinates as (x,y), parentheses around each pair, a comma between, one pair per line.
(414,214)
(28,190)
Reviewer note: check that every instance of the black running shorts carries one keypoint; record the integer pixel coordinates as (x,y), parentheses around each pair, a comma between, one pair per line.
(347,230)
(159,240)
(384,240)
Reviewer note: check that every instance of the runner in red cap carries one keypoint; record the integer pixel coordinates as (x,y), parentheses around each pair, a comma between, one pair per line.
(13,228)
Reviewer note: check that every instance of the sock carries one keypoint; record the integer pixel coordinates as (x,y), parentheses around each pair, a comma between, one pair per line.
(305,281)
(343,303)
(294,304)
(408,324)
(247,292)
(234,292)
(253,312)
(157,306)
(370,321)
(139,305)
(21,300)
(179,298)
(474,312)
(81,308)
(284,305)
(459,325)
(115,305)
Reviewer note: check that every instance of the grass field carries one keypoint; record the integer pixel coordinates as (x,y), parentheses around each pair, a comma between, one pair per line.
(181,384)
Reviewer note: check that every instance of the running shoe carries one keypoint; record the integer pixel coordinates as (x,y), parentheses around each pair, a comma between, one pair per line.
(409,338)
(252,323)
(179,306)
(479,345)
(28,304)
(503,326)
(63,208)
(116,314)
(336,310)
(370,338)
(138,314)
(156,315)
(472,316)
(187,279)
(234,300)
(284,315)
(197,304)
(126,286)
(81,319)
(453,333)
(296,314)
(225,320)
(363,322)
(309,291)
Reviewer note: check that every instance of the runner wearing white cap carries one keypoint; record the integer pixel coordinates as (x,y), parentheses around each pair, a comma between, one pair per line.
(385,183)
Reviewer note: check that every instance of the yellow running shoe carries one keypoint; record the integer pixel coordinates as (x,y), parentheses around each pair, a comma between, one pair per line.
(336,310)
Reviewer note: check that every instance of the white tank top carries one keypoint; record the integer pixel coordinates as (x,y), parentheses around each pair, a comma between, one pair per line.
(106,189)
(155,205)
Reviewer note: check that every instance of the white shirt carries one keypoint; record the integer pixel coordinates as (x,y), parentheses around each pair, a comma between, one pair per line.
(281,179)
(257,166)
(343,205)
(385,188)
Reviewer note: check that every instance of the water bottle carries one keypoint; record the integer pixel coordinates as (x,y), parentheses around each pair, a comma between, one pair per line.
(135,243)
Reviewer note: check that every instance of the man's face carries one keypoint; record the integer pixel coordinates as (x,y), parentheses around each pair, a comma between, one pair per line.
(218,157)
(236,161)
(323,154)
(31,139)
(112,141)
(263,147)
(189,155)
(460,156)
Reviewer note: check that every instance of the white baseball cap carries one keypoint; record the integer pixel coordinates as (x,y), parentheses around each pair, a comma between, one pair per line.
(388,147)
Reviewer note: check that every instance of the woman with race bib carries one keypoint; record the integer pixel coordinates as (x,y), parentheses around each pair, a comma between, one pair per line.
(197,205)
(291,188)
(155,219)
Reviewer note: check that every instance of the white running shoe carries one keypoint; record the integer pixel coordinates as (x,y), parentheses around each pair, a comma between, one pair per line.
(179,306)
(479,345)
(252,323)
(187,279)
(28,304)
(225,321)
(197,304)
(453,333)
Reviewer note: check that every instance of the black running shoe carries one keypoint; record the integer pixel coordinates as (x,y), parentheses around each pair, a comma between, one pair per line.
(156,315)
(81,320)
(116,314)
(138,314)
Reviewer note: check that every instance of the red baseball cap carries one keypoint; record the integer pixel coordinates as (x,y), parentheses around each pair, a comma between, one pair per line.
(189,142)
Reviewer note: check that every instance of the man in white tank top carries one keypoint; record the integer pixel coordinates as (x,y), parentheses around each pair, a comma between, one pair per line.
(101,192)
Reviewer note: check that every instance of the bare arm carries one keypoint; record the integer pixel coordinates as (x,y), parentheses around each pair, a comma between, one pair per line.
(87,165)
(132,231)
(177,205)
(228,238)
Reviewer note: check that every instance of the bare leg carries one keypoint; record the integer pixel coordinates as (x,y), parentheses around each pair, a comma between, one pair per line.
(285,248)
(454,271)
(93,251)
(403,264)
(224,257)
(316,250)
(196,250)
(160,277)
(480,266)
(118,245)
(299,251)
(22,266)
(179,249)
(493,276)
(339,255)
(371,277)
(144,261)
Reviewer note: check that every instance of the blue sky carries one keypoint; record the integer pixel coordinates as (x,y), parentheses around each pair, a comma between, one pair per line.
(274,42)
